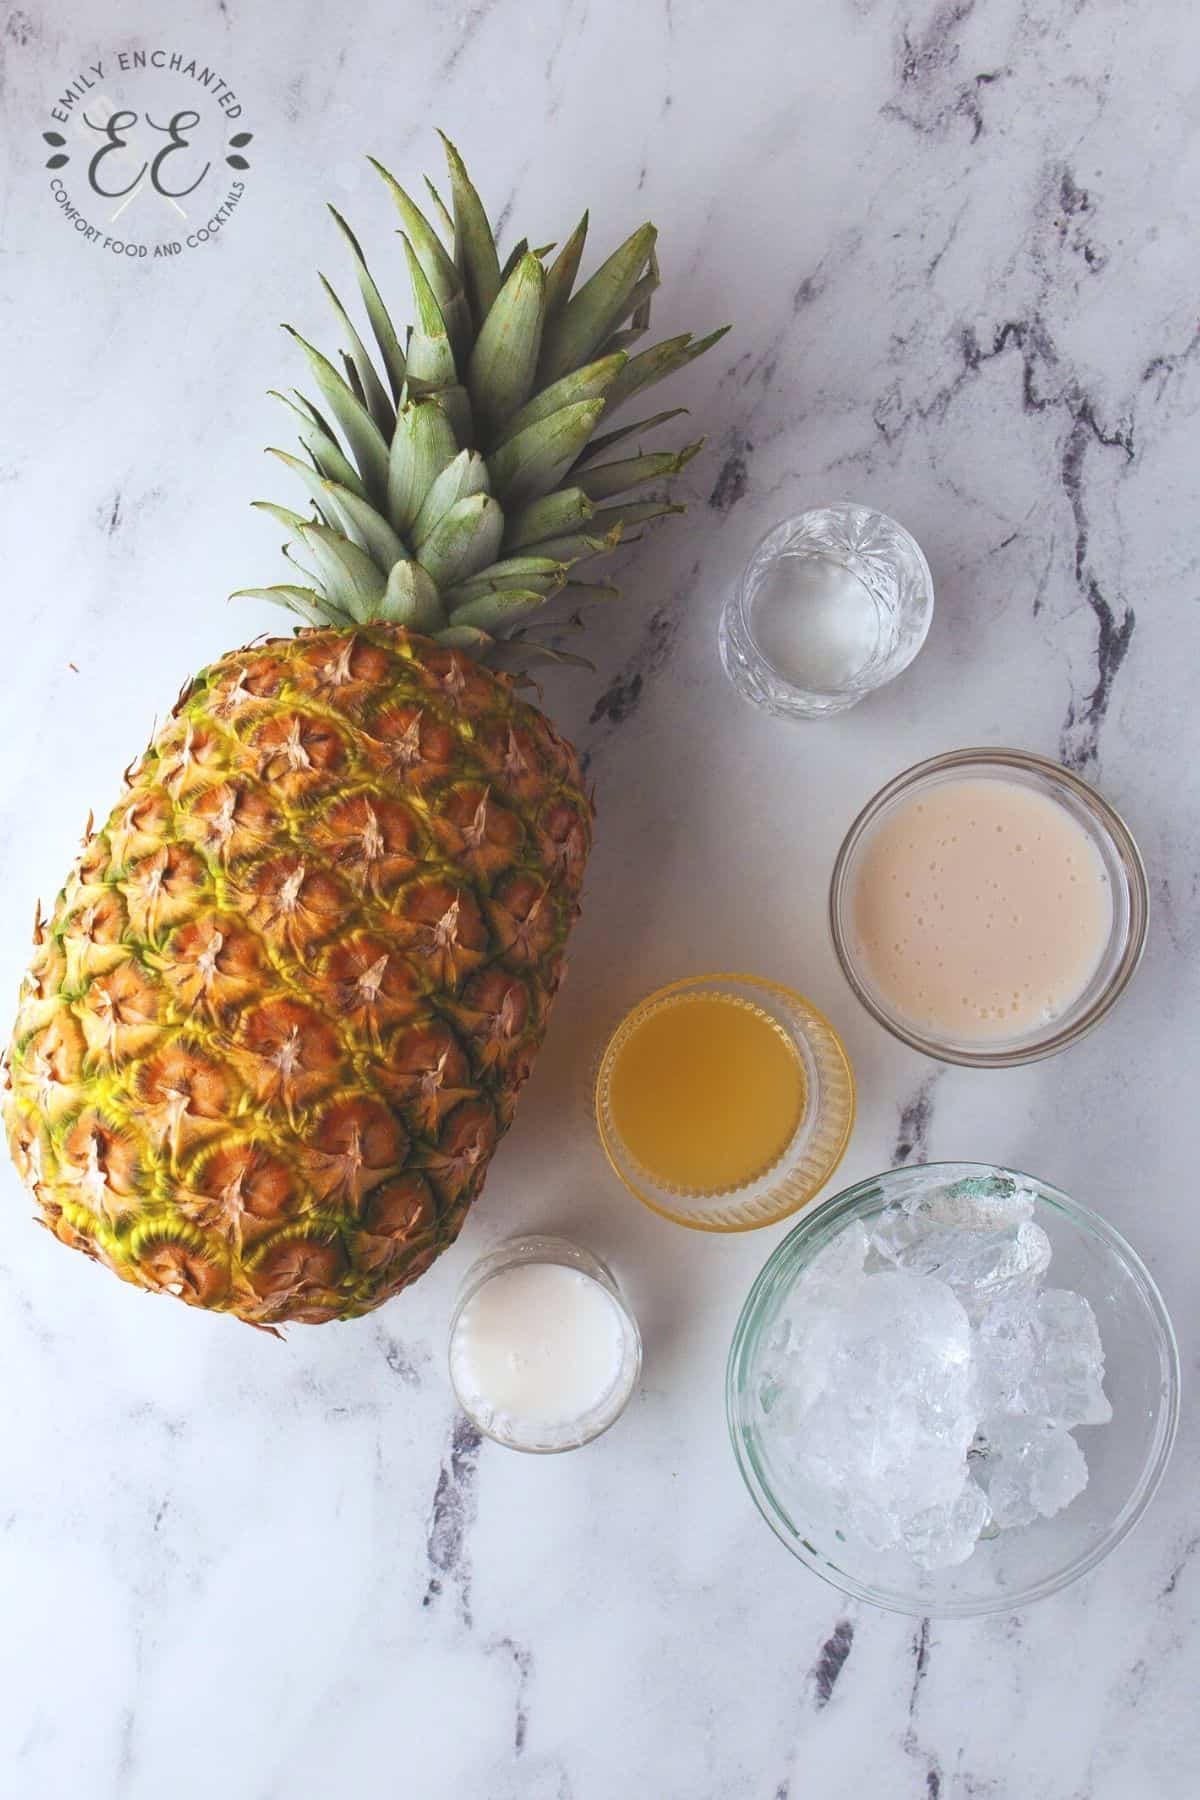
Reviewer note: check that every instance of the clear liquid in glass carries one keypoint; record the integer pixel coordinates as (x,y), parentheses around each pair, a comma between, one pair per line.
(816,622)
(833,603)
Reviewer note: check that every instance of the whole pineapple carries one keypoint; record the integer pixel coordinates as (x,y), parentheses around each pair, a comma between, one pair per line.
(292,988)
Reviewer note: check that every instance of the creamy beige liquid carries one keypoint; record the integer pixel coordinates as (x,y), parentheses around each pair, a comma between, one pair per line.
(981,909)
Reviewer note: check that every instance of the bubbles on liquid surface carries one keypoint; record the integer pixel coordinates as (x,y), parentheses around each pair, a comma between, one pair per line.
(980,893)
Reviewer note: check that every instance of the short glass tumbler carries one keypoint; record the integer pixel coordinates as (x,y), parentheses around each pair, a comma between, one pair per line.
(547,1367)
(833,604)
(1126,1458)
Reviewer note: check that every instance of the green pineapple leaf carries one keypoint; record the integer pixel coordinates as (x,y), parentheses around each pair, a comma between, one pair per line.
(466,637)
(532,463)
(535,574)
(329,459)
(347,574)
(639,512)
(609,439)
(521,650)
(513,258)
(289,520)
(423,445)
(551,516)
(639,310)
(602,480)
(466,475)
(503,363)
(430,360)
(309,477)
(493,612)
(381,324)
(464,540)
(579,546)
(411,598)
(305,601)
(353,379)
(591,382)
(366,441)
(368,526)
(597,309)
(445,221)
(475,247)
(561,276)
(663,359)
(456,404)
(436,263)
(378,400)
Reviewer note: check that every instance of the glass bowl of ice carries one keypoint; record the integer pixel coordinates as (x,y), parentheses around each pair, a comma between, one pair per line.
(952,1390)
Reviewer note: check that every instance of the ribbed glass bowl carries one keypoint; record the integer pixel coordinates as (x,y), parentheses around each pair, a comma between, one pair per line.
(820,1139)
(1126,1458)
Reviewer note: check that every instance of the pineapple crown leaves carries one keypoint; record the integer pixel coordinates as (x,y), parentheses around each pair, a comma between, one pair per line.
(454,470)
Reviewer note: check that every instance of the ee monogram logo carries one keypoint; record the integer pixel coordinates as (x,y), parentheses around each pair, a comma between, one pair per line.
(164,154)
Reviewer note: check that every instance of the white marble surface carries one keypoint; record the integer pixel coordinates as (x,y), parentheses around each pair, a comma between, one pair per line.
(958,241)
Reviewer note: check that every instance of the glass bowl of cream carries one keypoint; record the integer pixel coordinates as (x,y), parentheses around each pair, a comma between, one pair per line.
(988,907)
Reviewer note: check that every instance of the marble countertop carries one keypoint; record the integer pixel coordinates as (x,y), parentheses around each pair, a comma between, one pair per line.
(958,240)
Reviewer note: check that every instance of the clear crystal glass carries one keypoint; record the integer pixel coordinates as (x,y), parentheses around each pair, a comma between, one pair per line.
(833,604)
(1126,1457)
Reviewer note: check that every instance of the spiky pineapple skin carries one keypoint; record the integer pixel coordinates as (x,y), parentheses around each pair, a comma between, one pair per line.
(287,999)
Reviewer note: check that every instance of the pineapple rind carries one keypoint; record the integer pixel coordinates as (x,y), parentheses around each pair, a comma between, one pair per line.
(287,999)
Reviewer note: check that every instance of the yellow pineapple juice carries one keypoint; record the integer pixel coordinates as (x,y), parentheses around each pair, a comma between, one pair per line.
(706,1092)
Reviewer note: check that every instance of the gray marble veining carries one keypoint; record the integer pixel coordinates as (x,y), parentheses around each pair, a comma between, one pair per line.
(957,239)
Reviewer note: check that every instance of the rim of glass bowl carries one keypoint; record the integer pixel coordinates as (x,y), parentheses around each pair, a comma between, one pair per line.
(780,1177)
(546,1247)
(782,1267)
(1104,818)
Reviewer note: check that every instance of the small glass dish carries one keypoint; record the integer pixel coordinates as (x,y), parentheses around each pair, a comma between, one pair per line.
(816,1145)
(833,604)
(1123,867)
(1126,1457)
(532,1340)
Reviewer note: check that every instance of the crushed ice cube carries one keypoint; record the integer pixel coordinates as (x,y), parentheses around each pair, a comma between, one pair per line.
(882,1426)
(1034,1479)
(836,1271)
(943,1536)
(977,1264)
(1070,1367)
(806,1336)
(1039,1361)
(1006,1348)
